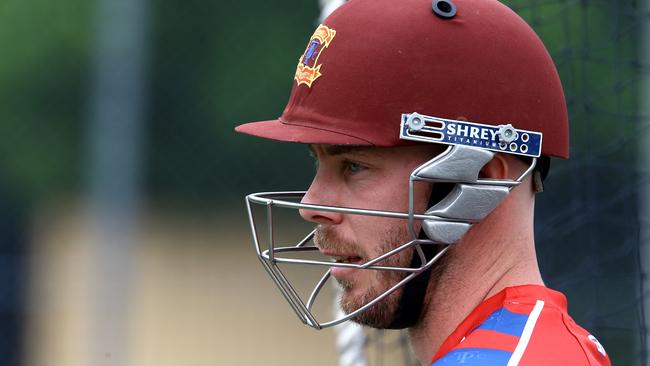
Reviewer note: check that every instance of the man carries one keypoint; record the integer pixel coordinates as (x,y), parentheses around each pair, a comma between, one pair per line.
(432,124)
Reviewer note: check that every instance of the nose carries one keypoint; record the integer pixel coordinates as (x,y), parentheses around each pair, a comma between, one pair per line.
(321,193)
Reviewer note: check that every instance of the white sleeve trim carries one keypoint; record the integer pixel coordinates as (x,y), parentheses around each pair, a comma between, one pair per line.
(526,334)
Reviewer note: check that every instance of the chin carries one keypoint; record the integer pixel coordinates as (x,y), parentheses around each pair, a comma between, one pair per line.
(378,316)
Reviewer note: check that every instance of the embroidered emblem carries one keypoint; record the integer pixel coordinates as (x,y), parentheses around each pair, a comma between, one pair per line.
(308,70)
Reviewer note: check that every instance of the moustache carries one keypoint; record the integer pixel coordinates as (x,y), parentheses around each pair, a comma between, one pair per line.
(325,238)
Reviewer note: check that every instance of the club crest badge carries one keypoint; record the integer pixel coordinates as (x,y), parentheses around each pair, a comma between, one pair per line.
(308,68)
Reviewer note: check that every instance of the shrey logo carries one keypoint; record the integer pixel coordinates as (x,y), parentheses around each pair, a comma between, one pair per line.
(308,70)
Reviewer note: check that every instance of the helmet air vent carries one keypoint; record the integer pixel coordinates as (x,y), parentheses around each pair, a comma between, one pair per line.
(445,9)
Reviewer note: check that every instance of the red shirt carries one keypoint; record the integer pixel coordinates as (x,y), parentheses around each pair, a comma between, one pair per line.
(523,325)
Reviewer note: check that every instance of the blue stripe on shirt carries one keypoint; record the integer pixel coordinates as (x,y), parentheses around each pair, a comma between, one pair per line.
(474,357)
(507,322)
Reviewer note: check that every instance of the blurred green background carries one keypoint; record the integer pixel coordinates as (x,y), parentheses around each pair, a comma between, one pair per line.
(208,66)
(211,66)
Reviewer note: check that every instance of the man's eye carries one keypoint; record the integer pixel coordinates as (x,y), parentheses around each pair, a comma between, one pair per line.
(354,167)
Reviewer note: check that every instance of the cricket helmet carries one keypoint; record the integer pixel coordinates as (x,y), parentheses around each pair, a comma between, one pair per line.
(373,60)
(470,74)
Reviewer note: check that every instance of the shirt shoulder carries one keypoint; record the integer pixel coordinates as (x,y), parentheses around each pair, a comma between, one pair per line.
(530,330)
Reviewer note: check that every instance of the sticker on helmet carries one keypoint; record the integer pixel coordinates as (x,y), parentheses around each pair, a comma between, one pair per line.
(308,70)
(503,138)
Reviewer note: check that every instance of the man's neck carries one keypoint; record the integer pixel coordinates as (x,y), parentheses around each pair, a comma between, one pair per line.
(472,271)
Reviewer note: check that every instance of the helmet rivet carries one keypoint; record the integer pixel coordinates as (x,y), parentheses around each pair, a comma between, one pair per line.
(444,8)
(507,133)
(415,122)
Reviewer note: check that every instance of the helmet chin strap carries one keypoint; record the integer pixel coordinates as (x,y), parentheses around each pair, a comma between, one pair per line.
(411,302)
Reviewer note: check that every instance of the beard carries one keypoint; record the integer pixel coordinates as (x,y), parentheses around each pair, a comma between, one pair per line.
(381,314)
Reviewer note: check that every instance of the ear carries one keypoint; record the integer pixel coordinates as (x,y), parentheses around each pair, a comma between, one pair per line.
(497,168)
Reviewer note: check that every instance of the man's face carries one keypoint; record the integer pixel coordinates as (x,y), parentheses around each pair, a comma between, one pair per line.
(370,178)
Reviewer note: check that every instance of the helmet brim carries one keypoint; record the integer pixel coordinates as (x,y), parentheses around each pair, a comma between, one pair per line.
(282,131)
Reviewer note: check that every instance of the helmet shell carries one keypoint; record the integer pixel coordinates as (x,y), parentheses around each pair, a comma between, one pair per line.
(387,57)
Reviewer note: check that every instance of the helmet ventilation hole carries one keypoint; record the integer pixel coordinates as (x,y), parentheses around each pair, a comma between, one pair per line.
(444,8)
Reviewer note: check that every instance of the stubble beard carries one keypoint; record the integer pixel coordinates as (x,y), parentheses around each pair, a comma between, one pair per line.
(381,314)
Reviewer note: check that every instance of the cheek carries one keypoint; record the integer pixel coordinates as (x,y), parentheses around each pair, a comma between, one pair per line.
(392,193)
(421,194)
(395,197)
(374,234)
(389,195)
(368,231)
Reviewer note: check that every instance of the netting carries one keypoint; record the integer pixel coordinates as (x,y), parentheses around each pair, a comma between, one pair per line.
(587,223)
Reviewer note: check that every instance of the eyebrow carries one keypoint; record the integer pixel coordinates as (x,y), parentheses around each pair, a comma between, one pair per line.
(334,150)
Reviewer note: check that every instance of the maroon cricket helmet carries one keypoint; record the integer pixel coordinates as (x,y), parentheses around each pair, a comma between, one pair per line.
(373,60)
